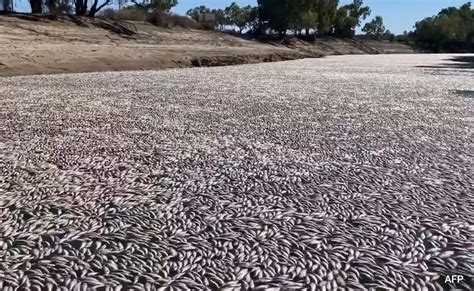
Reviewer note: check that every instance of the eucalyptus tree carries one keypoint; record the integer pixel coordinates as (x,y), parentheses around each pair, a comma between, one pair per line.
(375,28)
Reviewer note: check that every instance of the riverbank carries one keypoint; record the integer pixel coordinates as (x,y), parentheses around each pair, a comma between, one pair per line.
(64,44)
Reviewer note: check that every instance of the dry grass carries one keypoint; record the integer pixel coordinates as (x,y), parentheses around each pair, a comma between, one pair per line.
(160,19)
(124,14)
(171,20)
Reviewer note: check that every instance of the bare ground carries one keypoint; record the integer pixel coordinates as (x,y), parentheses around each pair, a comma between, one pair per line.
(33,45)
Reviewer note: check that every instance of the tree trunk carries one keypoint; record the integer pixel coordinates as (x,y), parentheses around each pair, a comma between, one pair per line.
(6,5)
(51,5)
(94,8)
(81,7)
(307,31)
(36,6)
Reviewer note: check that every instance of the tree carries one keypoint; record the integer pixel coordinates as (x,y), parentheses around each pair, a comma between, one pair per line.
(81,7)
(375,28)
(426,30)
(198,13)
(302,15)
(240,17)
(255,24)
(388,35)
(327,12)
(404,37)
(357,13)
(295,16)
(275,14)
(51,5)
(155,5)
(343,23)
(309,20)
(36,6)
(221,19)
(6,5)
(59,6)
(452,29)
(96,7)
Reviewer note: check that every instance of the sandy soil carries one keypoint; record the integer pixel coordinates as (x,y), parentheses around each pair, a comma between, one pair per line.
(62,46)
(31,45)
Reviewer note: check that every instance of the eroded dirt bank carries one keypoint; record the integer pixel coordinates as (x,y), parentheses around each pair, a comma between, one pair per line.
(32,45)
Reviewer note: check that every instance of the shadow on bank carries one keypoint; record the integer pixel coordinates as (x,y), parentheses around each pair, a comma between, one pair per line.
(457,62)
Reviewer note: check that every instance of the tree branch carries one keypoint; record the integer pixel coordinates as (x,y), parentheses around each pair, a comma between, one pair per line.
(108,2)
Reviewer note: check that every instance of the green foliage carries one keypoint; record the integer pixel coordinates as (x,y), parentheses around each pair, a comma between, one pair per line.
(388,35)
(198,13)
(240,17)
(255,24)
(375,28)
(405,37)
(221,19)
(308,20)
(276,14)
(297,15)
(343,23)
(350,16)
(154,5)
(303,14)
(327,15)
(167,20)
(450,29)
(357,11)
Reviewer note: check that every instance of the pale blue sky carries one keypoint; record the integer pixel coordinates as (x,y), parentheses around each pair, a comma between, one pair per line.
(398,15)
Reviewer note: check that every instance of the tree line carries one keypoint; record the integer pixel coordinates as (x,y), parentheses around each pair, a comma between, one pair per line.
(322,17)
(452,29)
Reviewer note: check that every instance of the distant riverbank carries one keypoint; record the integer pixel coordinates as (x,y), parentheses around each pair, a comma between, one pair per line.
(66,44)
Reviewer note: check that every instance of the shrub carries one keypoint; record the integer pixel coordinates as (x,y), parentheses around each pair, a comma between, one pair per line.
(207,26)
(131,14)
(160,19)
(166,20)
(109,13)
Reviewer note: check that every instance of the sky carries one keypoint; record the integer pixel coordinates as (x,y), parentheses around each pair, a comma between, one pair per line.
(398,15)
